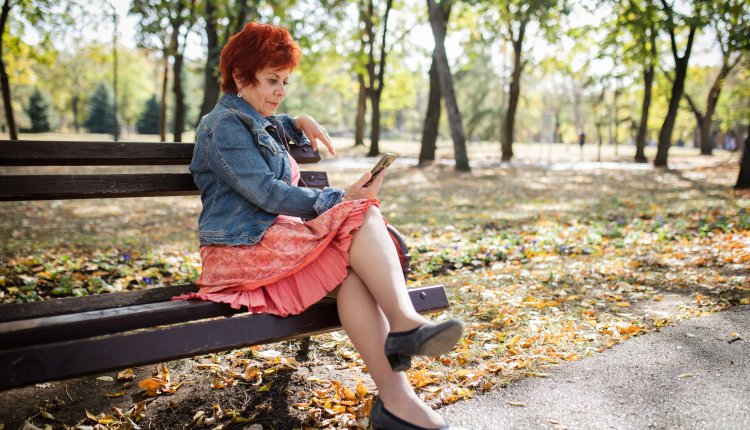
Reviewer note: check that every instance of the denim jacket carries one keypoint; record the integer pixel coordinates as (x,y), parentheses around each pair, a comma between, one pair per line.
(244,176)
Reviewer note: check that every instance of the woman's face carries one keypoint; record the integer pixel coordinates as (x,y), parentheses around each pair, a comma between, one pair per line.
(266,95)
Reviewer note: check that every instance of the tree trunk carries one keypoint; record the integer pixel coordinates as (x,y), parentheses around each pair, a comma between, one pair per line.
(437,22)
(377,80)
(707,143)
(211,88)
(179,99)
(515,92)
(743,179)
(678,89)
(4,80)
(374,124)
(359,127)
(640,140)
(163,109)
(431,120)
(74,106)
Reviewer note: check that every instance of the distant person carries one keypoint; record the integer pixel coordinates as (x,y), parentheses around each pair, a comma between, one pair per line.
(258,253)
(581,141)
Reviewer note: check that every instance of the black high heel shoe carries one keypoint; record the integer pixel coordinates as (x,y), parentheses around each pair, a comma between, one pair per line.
(428,339)
(381,419)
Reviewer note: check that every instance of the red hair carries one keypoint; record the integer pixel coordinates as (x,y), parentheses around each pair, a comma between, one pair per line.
(254,48)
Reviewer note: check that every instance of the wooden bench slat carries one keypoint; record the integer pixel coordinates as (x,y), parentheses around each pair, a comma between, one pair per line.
(73,153)
(72,305)
(107,321)
(61,360)
(54,187)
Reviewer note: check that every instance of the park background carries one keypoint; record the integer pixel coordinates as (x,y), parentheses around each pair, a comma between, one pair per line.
(551,251)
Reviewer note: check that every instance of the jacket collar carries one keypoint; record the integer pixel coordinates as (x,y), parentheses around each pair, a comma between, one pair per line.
(233,102)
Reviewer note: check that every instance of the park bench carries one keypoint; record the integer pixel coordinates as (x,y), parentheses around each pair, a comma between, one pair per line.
(76,336)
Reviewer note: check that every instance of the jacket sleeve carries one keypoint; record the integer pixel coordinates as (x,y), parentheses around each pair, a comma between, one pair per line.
(236,158)
(295,135)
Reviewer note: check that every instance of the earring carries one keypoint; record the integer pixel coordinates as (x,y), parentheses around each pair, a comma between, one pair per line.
(239,94)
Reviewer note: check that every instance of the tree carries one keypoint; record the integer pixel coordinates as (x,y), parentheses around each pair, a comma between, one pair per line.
(100,118)
(148,122)
(743,178)
(692,22)
(512,21)
(165,25)
(45,16)
(727,26)
(739,10)
(638,22)
(222,19)
(438,22)
(373,24)
(39,111)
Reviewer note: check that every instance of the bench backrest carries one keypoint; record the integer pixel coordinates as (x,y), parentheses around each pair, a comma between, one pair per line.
(91,186)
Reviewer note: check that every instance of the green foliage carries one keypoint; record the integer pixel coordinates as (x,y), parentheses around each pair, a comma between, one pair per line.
(148,122)
(39,112)
(100,118)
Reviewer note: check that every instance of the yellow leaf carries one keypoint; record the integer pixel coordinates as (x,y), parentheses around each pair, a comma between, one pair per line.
(520,404)
(538,374)
(511,343)
(218,383)
(118,394)
(45,414)
(349,394)
(361,390)
(251,372)
(622,304)
(126,375)
(365,409)
(107,419)
(266,387)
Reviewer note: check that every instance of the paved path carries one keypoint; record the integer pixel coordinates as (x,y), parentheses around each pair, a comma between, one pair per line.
(694,375)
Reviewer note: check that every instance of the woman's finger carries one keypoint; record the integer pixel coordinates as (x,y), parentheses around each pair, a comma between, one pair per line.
(329,145)
(363,179)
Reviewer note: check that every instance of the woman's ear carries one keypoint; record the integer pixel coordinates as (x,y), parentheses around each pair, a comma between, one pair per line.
(237,80)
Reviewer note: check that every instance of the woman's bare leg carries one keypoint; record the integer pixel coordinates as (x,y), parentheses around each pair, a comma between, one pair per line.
(367,328)
(373,258)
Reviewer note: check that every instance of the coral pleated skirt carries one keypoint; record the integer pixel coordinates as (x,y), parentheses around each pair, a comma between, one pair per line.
(294,265)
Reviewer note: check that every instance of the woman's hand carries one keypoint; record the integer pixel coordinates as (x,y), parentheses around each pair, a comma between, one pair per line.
(359,191)
(314,132)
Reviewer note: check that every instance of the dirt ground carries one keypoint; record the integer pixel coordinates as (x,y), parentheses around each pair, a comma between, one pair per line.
(68,402)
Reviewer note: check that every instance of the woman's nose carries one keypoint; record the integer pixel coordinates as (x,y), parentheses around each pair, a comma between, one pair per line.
(281,90)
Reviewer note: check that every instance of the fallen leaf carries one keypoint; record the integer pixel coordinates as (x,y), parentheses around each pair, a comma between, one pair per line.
(126,375)
(519,404)
(266,387)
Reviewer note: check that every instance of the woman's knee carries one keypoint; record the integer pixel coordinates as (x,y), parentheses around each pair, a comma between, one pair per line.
(373,216)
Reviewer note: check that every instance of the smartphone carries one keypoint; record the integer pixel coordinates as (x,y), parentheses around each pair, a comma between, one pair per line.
(384,162)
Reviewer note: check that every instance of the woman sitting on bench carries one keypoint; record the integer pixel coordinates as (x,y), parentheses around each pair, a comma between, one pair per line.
(257,251)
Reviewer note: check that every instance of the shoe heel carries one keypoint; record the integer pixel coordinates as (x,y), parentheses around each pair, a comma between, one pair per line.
(399,362)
